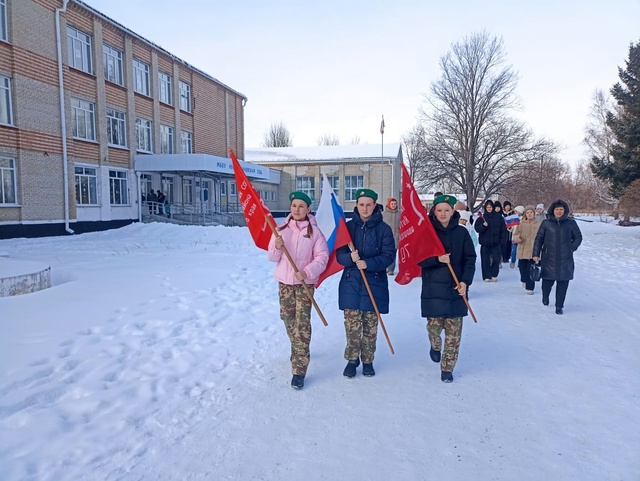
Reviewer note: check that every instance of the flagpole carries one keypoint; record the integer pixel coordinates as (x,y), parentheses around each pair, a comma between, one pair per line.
(382,160)
(295,269)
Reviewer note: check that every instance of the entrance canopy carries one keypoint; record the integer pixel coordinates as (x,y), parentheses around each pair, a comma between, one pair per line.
(196,163)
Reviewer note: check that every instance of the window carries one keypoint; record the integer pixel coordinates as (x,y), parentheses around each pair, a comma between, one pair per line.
(83,119)
(166,139)
(334,182)
(86,186)
(164,88)
(351,184)
(118,190)
(6,112)
(79,46)
(186,142)
(143,135)
(223,187)
(146,184)
(187,191)
(141,78)
(112,64)
(307,185)
(273,196)
(185,97)
(116,128)
(167,187)
(3,21)
(7,181)
(232,188)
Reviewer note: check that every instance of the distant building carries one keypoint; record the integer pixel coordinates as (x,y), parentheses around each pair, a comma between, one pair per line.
(81,97)
(348,168)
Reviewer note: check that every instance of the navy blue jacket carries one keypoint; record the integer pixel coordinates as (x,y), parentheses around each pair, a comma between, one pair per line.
(439,298)
(375,244)
(495,234)
(555,243)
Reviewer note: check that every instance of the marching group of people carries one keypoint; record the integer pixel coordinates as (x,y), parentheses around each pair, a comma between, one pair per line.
(536,240)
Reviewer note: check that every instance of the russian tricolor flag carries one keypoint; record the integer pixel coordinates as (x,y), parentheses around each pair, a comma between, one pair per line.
(332,223)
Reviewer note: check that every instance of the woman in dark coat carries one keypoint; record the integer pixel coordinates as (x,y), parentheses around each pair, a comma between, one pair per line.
(558,238)
(375,251)
(492,235)
(441,302)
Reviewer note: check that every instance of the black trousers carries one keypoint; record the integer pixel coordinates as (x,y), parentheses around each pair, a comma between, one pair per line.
(506,250)
(490,257)
(561,290)
(523,266)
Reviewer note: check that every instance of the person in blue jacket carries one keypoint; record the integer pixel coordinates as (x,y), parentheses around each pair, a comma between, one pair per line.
(442,303)
(375,250)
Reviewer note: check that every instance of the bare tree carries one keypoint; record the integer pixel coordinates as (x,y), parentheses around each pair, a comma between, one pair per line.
(471,138)
(328,139)
(544,181)
(355,140)
(278,136)
(414,150)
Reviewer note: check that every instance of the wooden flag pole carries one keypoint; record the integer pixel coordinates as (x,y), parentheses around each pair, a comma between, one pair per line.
(466,301)
(373,301)
(295,269)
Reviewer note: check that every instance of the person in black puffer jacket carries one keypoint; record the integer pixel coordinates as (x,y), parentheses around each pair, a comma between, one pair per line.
(441,302)
(558,238)
(375,251)
(492,235)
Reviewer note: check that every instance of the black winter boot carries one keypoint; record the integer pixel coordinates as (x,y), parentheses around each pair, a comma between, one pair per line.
(367,370)
(297,382)
(434,355)
(559,310)
(350,370)
(446,376)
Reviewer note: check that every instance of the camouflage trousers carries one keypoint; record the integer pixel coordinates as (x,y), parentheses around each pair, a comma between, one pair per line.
(362,333)
(295,311)
(452,334)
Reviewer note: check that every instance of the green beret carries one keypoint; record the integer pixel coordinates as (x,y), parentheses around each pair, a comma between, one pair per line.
(300,195)
(449,199)
(366,193)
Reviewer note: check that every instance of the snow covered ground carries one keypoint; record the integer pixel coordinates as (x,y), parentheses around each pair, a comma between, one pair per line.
(159,354)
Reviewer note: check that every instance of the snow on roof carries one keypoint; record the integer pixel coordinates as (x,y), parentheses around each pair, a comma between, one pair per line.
(324,153)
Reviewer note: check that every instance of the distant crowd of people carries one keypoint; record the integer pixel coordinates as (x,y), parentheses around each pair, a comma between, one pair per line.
(157,203)
(541,243)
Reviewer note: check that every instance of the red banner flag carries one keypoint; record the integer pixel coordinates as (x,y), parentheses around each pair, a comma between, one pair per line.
(253,207)
(418,238)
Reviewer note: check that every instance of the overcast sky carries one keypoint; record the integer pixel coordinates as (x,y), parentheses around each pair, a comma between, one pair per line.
(337,66)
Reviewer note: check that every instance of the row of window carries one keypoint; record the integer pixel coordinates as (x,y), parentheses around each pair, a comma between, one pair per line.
(351,184)
(79,46)
(83,127)
(87,186)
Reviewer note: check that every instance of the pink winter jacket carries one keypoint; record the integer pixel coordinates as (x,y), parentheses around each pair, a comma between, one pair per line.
(310,254)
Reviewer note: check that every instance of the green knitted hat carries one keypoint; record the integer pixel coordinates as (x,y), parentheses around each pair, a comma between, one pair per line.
(366,193)
(300,195)
(449,199)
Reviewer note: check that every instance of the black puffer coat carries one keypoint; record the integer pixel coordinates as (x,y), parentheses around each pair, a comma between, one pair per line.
(439,297)
(556,241)
(375,244)
(495,234)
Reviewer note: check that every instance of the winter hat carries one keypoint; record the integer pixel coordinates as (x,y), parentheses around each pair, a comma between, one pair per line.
(366,193)
(389,200)
(519,209)
(540,206)
(506,203)
(529,207)
(497,204)
(449,199)
(488,202)
(465,214)
(300,195)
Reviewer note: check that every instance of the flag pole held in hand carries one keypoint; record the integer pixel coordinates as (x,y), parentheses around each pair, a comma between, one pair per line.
(466,301)
(373,301)
(295,268)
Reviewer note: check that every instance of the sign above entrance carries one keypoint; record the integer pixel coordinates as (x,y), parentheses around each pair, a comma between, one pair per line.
(195,163)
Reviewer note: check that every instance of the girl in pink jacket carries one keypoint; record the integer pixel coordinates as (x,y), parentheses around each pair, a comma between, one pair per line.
(308,249)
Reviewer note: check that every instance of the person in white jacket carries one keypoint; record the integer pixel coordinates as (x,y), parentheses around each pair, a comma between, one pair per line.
(307,247)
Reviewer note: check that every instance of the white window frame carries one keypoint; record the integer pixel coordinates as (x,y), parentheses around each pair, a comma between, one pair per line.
(144,129)
(187,191)
(166,139)
(79,50)
(83,119)
(186,142)
(350,189)
(273,196)
(168,187)
(89,176)
(141,78)
(306,184)
(223,187)
(8,178)
(165,90)
(146,184)
(6,104)
(116,128)
(185,96)
(233,190)
(118,187)
(4,30)
(112,59)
